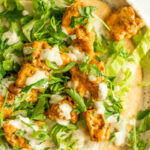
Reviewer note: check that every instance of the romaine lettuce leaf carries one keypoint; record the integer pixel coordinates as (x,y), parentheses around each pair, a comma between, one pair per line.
(145,63)
(138,37)
(116,64)
(142,48)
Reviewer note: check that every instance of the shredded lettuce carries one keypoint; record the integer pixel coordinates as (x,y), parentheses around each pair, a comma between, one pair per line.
(114,64)
(142,48)
(138,37)
(125,68)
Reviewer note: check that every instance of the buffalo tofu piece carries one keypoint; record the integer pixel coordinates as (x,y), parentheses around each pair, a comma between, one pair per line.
(42,51)
(29,75)
(70,12)
(99,131)
(84,39)
(34,51)
(85,83)
(20,132)
(62,111)
(124,23)
(11,138)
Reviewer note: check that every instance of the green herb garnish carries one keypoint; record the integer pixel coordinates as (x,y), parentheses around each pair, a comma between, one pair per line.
(64,69)
(77,98)
(86,14)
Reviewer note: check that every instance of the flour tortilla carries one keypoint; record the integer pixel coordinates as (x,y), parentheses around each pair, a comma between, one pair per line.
(133,98)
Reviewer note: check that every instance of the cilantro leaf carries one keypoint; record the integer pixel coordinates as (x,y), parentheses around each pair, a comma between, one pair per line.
(51,65)
(37,113)
(20,100)
(97,45)
(64,69)
(143,113)
(86,14)
(145,124)
(77,98)
(135,141)
(58,83)
(90,69)
(94,70)
(87,11)
(38,84)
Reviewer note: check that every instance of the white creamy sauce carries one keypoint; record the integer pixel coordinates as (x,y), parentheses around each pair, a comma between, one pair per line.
(27,50)
(62,146)
(72,84)
(4,147)
(88,95)
(76,55)
(17,123)
(92,77)
(52,55)
(100,107)
(64,30)
(63,122)
(120,137)
(16,59)
(11,36)
(25,12)
(38,75)
(66,110)
(122,133)
(62,3)
(73,36)
(83,140)
(56,98)
(5,84)
(103,91)
(112,119)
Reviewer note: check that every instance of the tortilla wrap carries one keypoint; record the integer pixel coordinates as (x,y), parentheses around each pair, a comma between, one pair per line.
(133,98)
